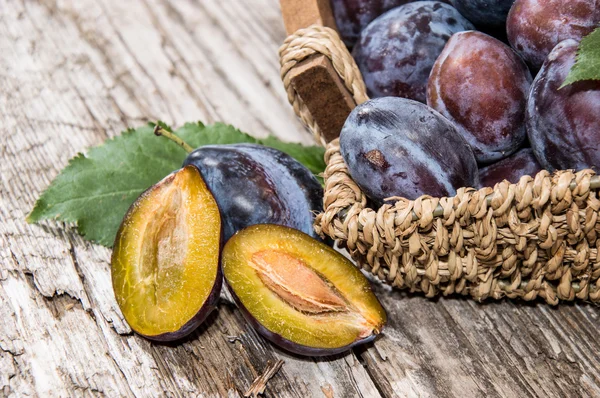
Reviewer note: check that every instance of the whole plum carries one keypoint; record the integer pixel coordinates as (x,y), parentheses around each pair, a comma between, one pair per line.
(254,184)
(512,168)
(351,16)
(564,124)
(534,27)
(481,85)
(484,13)
(399,147)
(395,52)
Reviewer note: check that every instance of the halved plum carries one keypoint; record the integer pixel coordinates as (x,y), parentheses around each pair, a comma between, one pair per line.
(299,293)
(165,262)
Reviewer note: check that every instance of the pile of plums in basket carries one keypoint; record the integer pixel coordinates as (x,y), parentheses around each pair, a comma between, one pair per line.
(466,93)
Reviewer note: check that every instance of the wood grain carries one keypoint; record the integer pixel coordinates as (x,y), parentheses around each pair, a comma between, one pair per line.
(323,93)
(75,72)
(301,14)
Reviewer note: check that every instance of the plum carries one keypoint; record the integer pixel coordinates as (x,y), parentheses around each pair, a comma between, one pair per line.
(395,52)
(563,124)
(484,13)
(512,168)
(165,261)
(534,27)
(352,16)
(481,85)
(299,293)
(399,147)
(256,184)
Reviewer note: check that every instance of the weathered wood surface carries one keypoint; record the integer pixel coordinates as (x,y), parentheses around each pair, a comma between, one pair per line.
(75,72)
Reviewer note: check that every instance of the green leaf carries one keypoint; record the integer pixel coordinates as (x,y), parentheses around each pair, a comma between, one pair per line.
(587,63)
(95,190)
(196,134)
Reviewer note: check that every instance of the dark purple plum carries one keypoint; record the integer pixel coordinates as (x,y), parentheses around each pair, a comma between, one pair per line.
(484,13)
(254,184)
(399,147)
(481,85)
(564,124)
(534,27)
(352,16)
(512,168)
(165,263)
(299,293)
(397,50)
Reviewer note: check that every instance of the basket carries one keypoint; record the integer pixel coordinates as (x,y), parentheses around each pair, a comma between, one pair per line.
(536,238)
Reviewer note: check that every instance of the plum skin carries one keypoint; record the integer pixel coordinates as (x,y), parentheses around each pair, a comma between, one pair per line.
(481,85)
(395,52)
(352,16)
(512,168)
(399,147)
(488,13)
(535,27)
(563,124)
(256,184)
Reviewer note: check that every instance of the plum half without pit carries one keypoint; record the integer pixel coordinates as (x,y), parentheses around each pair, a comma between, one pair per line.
(165,262)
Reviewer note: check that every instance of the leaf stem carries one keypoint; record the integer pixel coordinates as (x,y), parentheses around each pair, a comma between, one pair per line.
(158,130)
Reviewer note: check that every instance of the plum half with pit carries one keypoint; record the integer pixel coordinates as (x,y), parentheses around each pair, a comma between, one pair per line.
(165,262)
(299,293)
(395,52)
(563,123)
(255,184)
(399,147)
(481,85)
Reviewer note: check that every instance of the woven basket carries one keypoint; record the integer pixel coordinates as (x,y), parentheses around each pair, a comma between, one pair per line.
(538,237)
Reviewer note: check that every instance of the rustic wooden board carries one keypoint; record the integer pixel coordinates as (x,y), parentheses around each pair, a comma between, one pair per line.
(73,73)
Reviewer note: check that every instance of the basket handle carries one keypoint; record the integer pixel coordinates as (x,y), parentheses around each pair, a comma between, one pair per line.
(320,76)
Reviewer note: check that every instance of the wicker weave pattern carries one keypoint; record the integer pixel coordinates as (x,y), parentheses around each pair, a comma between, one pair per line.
(535,238)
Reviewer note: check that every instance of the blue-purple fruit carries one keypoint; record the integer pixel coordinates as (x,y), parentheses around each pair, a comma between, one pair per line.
(299,293)
(399,147)
(563,124)
(165,261)
(352,16)
(534,27)
(254,184)
(512,168)
(396,52)
(481,85)
(484,13)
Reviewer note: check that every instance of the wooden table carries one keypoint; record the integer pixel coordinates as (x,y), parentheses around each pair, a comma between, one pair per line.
(73,73)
